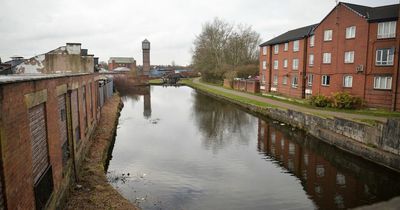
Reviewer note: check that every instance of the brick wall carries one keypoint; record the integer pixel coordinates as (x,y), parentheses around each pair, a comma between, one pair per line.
(251,86)
(15,134)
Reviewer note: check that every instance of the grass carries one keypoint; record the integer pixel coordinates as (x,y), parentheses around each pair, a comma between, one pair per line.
(155,82)
(304,103)
(241,99)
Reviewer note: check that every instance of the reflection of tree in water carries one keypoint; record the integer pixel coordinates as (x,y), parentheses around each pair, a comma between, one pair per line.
(220,123)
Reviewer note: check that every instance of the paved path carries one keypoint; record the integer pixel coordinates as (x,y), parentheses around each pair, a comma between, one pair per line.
(292,106)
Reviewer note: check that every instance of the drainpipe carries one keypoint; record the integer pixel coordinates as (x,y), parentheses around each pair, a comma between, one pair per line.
(396,74)
(269,67)
(304,73)
(70,133)
(366,63)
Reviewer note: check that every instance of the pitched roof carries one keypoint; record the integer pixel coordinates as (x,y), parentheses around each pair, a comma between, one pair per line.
(121,60)
(374,14)
(292,35)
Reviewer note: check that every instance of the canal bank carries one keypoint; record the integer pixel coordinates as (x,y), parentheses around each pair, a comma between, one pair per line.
(92,190)
(377,142)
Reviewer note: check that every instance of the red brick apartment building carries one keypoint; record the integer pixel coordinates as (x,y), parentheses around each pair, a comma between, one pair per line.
(353,49)
(283,62)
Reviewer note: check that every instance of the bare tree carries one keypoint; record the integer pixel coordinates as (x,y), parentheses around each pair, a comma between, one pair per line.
(222,48)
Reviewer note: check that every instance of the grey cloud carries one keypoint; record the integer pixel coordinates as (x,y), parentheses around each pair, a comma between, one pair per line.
(116,28)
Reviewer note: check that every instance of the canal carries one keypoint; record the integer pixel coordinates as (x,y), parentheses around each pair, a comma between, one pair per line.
(179,149)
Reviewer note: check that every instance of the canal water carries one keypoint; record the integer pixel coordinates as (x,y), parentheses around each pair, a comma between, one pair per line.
(179,149)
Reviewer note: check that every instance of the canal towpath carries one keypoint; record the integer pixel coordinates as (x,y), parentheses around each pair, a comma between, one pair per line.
(289,106)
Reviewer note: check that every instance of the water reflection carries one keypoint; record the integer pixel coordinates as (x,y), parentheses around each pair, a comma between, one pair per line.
(134,94)
(220,123)
(331,178)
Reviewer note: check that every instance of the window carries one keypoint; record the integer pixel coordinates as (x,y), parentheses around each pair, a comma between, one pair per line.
(350,32)
(384,57)
(276,64)
(276,49)
(263,77)
(387,30)
(326,79)
(312,40)
(326,58)
(286,47)
(264,50)
(383,82)
(285,63)
(284,81)
(295,65)
(275,81)
(264,65)
(348,81)
(349,57)
(296,46)
(328,35)
(295,81)
(310,79)
(311,60)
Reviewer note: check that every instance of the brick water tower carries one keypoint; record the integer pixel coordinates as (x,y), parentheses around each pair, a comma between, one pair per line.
(146,57)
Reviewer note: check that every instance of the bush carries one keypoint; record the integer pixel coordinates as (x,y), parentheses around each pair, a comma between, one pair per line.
(344,100)
(340,100)
(319,101)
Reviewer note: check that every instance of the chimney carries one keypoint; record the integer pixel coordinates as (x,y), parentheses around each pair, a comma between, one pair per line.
(74,48)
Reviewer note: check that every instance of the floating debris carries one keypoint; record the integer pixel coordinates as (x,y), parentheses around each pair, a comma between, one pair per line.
(154,121)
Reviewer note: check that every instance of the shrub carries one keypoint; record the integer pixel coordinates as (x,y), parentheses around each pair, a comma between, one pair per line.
(340,100)
(344,100)
(319,101)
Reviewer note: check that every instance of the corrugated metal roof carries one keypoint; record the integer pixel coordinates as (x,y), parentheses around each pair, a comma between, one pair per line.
(292,35)
(121,60)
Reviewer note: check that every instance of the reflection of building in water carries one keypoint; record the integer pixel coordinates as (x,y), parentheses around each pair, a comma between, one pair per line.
(147,106)
(142,90)
(328,186)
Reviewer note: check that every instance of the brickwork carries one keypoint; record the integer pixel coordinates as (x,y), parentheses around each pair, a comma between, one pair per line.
(361,70)
(16,142)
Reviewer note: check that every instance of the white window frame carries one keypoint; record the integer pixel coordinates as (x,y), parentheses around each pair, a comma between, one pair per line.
(386,30)
(295,64)
(295,81)
(348,81)
(285,63)
(379,57)
(276,64)
(275,80)
(383,82)
(325,80)
(312,41)
(326,58)
(276,49)
(263,73)
(284,80)
(349,57)
(311,60)
(264,65)
(264,50)
(351,32)
(296,46)
(328,35)
(310,79)
(286,47)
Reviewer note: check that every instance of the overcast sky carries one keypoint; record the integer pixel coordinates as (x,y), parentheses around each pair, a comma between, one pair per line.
(117,27)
